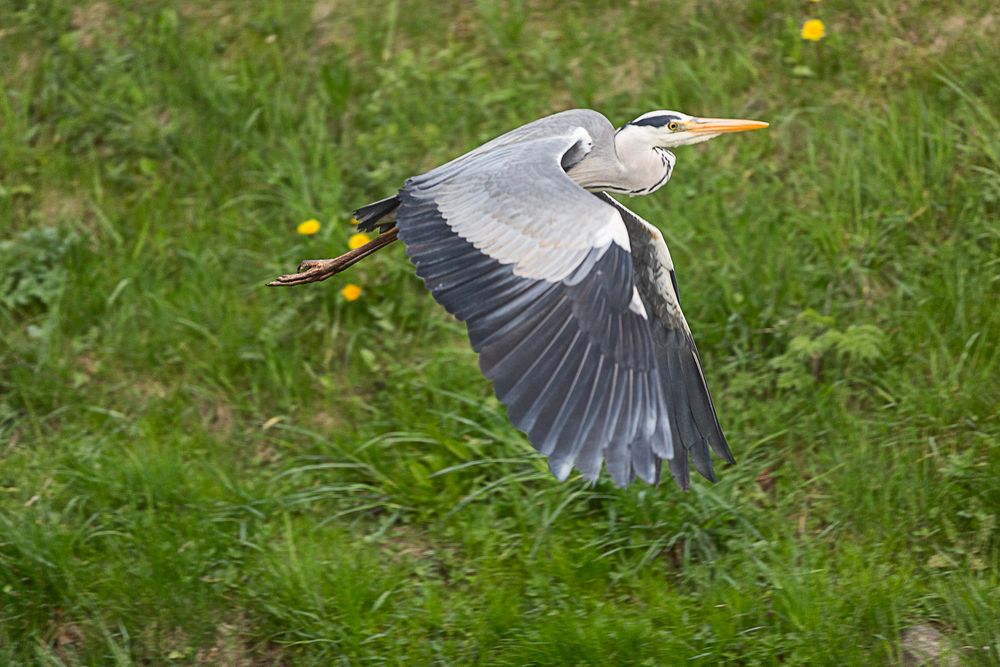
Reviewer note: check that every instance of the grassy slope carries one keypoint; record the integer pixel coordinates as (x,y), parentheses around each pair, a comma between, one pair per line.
(196,469)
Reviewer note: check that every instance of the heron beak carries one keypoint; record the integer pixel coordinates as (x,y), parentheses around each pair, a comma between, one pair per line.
(720,125)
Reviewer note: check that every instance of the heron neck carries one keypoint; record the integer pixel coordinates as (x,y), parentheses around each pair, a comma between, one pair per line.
(646,168)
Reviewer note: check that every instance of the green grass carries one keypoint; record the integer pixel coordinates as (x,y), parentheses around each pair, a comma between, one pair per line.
(195,469)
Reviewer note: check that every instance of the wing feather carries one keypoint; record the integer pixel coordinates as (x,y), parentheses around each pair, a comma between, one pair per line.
(693,422)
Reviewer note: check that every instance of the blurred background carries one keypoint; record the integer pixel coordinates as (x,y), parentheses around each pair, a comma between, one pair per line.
(199,470)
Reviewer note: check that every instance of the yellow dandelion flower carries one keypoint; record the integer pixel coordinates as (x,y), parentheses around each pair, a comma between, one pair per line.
(351,292)
(813,30)
(309,227)
(357,240)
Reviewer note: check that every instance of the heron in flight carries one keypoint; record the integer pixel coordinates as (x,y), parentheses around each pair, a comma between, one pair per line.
(570,298)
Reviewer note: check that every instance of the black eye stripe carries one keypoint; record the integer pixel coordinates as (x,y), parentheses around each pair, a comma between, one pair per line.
(656,121)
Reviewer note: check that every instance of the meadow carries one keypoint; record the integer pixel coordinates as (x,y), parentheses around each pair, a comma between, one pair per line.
(199,470)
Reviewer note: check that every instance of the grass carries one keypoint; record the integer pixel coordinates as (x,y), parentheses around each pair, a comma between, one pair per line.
(199,470)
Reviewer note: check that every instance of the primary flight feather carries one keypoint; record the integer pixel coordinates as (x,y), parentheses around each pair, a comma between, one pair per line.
(569,297)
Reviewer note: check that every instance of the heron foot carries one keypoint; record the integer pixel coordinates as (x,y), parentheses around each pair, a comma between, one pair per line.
(316,270)
(309,271)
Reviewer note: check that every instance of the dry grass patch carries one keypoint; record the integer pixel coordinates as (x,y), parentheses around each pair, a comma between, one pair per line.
(232,646)
(91,22)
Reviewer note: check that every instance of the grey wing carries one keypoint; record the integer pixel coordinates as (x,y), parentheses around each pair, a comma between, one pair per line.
(694,423)
(540,271)
(382,214)
(594,123)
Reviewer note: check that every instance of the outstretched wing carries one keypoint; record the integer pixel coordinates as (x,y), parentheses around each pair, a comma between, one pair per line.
(694,423)
(540,271)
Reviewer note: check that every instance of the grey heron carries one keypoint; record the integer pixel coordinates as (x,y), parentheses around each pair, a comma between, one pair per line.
(570,298)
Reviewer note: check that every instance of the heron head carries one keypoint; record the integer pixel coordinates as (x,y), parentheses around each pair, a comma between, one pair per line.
(666,129)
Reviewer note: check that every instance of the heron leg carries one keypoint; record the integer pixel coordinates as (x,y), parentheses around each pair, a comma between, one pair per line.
(316,270)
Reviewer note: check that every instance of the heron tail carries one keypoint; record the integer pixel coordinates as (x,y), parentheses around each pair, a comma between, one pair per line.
(381,214)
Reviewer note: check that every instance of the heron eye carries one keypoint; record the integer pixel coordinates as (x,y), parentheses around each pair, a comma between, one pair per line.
(673,126)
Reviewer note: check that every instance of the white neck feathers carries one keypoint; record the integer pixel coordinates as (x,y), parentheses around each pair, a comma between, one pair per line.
(647,167)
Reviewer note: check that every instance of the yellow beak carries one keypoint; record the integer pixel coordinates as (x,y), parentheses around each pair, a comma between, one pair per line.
(718,125)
